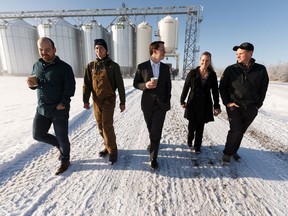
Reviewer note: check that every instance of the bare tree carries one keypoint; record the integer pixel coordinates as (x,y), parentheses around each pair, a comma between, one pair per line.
(278,72)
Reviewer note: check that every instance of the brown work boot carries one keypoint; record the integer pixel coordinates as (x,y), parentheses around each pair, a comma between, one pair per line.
(112,158)
(64,166)
(103,153)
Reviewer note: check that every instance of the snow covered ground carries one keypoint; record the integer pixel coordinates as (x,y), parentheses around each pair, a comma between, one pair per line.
(186,184)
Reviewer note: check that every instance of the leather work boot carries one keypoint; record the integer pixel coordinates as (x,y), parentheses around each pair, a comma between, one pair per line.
(63,167)
(103,153)
(113,158)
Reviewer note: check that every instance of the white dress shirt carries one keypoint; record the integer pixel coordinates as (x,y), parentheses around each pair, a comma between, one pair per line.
(155,68)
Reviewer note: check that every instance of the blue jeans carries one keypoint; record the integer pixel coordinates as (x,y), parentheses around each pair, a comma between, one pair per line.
(41,126)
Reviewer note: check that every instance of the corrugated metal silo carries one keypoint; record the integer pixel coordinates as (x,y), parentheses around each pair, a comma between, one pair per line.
(108,39)
(91,31)
(168,32)
(123,36)
(18,47)
(68,42)
(1,67)
(144,39)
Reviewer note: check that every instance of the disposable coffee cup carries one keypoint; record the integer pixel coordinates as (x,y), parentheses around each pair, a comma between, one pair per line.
(154,80)
(33,80)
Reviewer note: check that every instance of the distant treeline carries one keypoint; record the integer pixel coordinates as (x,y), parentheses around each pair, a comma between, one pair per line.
(277,72)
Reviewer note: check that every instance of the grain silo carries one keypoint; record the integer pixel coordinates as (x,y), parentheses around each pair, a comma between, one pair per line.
(91,31)
(1,67)
(108,39)
(68,42)
(123,40)
(168,32)
(144,39)
(18,47)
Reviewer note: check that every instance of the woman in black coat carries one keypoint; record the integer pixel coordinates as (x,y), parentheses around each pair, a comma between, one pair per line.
(200,108)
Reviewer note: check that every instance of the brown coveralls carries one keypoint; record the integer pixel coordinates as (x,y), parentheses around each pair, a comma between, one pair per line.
(104,105)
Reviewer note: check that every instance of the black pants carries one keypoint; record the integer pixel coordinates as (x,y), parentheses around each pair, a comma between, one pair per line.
(195,130)
(239,120)
(154,121)
(60,140)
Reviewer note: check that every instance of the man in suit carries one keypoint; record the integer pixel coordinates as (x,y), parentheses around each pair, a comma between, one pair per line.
(155,101)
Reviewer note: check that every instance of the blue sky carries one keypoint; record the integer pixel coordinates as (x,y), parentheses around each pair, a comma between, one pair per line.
(226,23)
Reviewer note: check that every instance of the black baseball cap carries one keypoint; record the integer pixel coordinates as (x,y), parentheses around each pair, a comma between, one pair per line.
(245,46)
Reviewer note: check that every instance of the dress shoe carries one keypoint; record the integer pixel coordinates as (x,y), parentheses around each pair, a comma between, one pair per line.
(226,159)
(236,157)
(148,147)
(189,141)
(154,164)
(64,166)
(197,151)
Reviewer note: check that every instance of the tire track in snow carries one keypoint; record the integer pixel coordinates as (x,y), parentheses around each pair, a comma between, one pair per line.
(180,187)
(79,132)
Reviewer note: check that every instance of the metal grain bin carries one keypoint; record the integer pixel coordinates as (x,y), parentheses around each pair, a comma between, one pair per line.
(18,47)
(68,42)
(123,40)
(91,31)
(144,39)
(168,32)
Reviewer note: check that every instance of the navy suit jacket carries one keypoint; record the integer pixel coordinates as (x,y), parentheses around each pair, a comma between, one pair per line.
(162,93)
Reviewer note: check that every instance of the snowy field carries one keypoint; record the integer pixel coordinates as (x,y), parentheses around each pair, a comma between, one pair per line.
(186,184)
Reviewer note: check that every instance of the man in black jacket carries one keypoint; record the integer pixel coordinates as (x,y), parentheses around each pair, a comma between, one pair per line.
(156,95)
(243,89)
